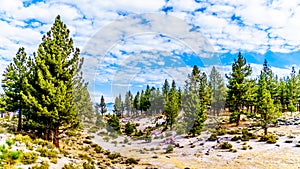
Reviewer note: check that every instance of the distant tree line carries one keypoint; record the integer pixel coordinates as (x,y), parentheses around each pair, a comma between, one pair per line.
(264,97)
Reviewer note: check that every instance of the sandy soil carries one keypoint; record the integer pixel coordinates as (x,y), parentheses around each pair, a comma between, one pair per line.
(206,154)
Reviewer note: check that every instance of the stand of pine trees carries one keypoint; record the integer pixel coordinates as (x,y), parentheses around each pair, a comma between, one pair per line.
(47,89)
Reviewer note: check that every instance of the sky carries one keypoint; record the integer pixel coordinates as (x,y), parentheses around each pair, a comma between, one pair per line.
(127,44)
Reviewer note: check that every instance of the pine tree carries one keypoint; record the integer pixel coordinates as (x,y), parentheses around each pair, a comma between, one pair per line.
(136,102)
(117,106)
(128,102)
(171,110)
(195,101)
(218,91)
(13,83)
(166,88)
(102,106)
(266,109)
(49,91)
(83,103)
(237,86)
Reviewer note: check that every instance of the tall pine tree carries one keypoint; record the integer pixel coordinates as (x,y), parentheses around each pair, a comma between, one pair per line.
(13,83)
(237,86)
(49,91)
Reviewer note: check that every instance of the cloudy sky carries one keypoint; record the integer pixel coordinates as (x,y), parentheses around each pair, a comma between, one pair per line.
(129,43)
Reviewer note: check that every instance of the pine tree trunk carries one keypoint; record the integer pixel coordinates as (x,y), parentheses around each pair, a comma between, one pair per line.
(55,138)
(238,119)
(20,120)
(266,129)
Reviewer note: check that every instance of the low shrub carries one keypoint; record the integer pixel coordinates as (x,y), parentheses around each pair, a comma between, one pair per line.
(168,134)
(213,137)
(131,161)
(98,149)
(114,156)
(226,145)
(88,166)
(29,157)
(126,140)
(129,128)
(236,138)
(106,139)
(169,148)
(270,138)
(44,165)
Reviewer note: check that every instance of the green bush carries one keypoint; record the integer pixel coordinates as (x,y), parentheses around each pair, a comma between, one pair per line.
(139,133)
(44,165)
(125,140)
(114,156)
(9,142)
(113,124)
(29,157)
(88,166)
(98,149)
(233,116)
(131,161)
(180,130)
(221,131)
(168,134)
(226,145)
(270,138)
(129,128)
(169,148)
(236,138)
(213,137)
(114,135)
(106,139)
(44,152)
(70,166)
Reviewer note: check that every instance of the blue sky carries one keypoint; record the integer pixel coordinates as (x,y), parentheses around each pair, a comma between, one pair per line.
(126,49)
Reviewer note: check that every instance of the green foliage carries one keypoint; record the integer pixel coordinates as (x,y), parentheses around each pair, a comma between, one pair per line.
(180,130)
(169,148)
(113,124)
(129,128)
(196,98)
(29,157)
(126,140)
(70,166)
(226,145)
(44,165)
(266,108)
(56,64)
(171,109)
(106,139)
(13,83)
(88,166)
(9,142)
(139,133)
(98,149)
(212,137)
(234,116)
(45,152)
(9,156)
(238,88)
(131,161)
(218,91)
(113,156)
(270,138)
